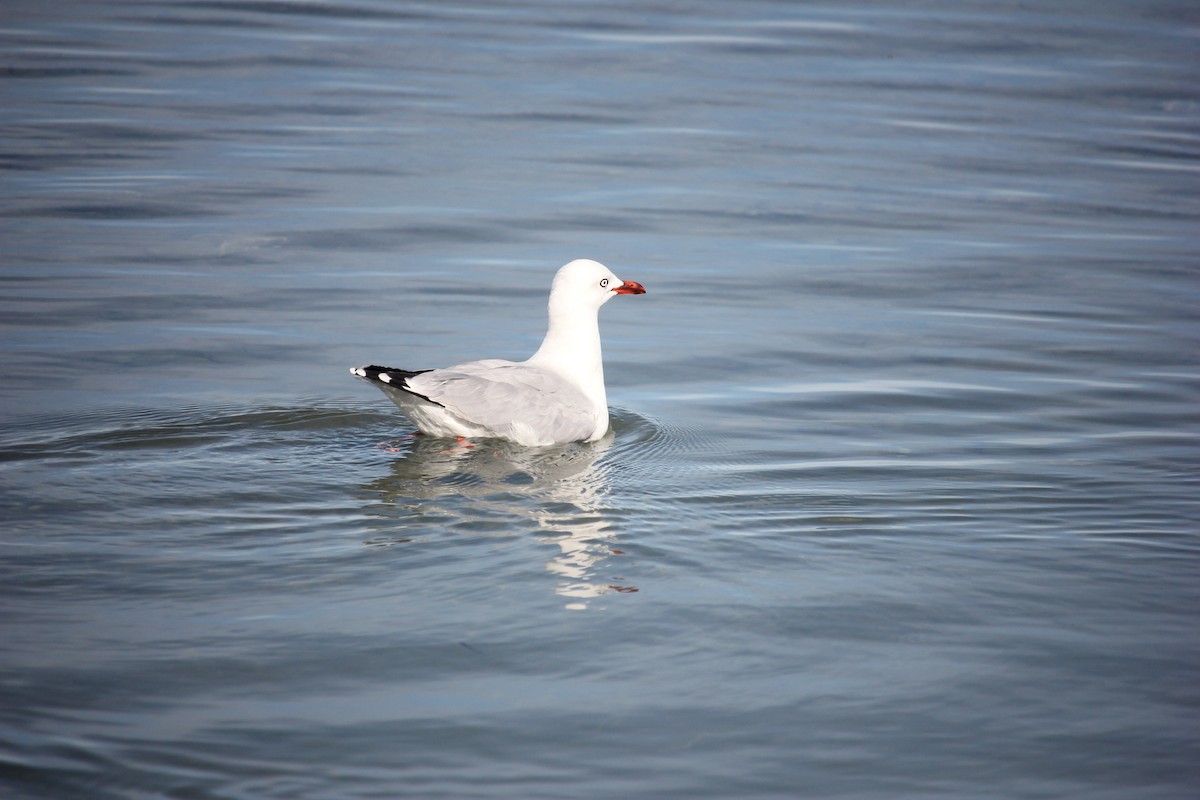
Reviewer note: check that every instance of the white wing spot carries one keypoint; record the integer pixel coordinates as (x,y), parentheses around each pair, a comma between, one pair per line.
(383,376)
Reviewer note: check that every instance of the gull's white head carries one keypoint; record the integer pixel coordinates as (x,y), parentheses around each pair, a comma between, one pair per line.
(584,282)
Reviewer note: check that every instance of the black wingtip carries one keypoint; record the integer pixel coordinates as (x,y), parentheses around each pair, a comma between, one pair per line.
(384,374)
(394,378)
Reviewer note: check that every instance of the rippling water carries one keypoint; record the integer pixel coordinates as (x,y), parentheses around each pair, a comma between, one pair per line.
(901,494)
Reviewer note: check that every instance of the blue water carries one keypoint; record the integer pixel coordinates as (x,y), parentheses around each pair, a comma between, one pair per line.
(901,498)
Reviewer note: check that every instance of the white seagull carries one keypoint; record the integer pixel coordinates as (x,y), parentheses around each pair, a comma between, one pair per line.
(554,397)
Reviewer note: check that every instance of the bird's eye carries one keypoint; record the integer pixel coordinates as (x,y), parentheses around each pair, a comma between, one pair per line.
(604,283)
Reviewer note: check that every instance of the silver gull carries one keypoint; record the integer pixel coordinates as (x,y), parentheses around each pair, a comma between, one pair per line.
(555,396)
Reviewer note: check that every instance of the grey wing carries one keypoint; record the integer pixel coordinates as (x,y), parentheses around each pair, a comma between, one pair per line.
(511,399)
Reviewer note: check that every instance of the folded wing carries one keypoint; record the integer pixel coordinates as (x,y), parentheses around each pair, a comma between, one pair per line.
(514,400)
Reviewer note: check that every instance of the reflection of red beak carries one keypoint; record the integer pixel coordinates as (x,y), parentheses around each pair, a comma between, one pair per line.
(630,287)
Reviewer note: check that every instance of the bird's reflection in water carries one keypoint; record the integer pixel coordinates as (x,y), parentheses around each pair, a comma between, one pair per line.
(490,486)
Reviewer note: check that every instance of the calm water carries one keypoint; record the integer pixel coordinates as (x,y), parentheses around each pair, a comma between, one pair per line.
(902,494)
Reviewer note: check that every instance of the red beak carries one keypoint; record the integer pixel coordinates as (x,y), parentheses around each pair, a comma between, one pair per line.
(630,287)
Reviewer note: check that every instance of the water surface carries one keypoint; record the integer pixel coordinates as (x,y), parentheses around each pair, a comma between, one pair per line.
(901,494)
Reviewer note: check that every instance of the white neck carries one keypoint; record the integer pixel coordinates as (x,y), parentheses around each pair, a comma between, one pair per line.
(572,348)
